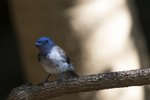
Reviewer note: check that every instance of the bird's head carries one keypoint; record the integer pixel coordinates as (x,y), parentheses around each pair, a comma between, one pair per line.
(44,44)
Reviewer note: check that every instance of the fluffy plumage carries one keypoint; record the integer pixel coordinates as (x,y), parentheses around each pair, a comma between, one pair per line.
(53,58)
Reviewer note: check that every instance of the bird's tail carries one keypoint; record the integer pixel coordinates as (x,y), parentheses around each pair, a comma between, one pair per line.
(71,73)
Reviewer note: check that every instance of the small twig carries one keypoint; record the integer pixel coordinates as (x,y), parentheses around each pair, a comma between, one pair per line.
(83,84)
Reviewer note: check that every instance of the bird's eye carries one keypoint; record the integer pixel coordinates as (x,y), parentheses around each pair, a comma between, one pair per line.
(46,41)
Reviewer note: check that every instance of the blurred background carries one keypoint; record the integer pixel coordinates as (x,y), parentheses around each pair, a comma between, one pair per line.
(98,35)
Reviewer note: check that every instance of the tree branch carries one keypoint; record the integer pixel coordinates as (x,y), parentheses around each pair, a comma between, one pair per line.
(83,84)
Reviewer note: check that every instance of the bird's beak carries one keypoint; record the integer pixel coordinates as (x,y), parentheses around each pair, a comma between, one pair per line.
(37,44)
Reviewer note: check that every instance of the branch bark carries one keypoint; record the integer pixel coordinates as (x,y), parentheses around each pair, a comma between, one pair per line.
(83,84)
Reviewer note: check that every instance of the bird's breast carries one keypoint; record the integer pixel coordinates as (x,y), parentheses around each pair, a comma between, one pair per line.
(53,63)
(49,66)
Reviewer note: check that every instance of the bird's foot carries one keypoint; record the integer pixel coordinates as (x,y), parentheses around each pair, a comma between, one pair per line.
(45,82)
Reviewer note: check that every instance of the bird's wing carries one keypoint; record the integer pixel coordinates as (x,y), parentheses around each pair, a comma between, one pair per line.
(62,53)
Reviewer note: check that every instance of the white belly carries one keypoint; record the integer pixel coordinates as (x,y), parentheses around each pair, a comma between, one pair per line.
(49,67)
(54,69)
(54,63)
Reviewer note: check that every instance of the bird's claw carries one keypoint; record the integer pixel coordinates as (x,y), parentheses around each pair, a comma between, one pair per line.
(45,82)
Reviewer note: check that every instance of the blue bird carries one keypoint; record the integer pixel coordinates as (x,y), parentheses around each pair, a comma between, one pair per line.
(53,59)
